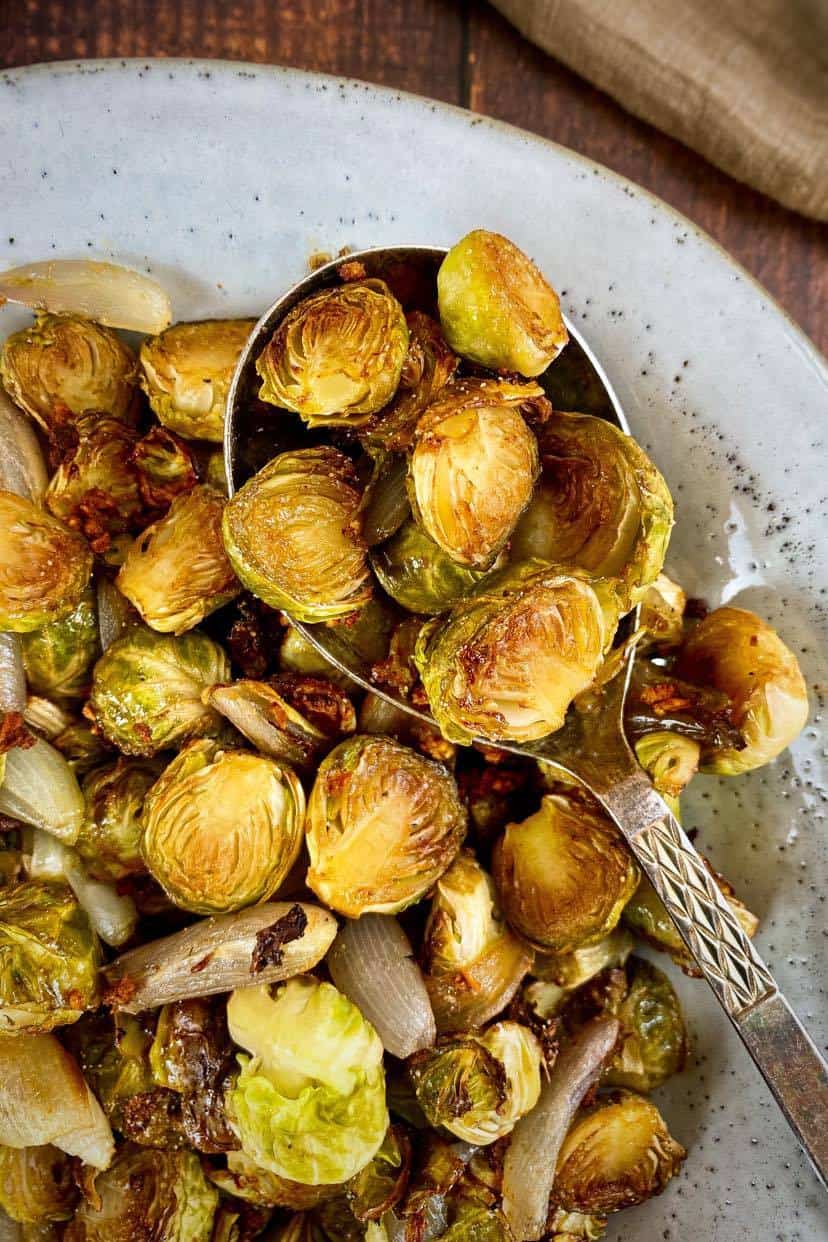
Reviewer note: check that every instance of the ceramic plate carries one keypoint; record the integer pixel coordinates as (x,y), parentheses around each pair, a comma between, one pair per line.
(221,179)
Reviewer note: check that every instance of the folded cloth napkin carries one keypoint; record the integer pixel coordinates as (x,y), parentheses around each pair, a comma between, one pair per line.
(744,82)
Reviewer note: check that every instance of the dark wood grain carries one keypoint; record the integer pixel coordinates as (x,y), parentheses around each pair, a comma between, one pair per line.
(460,51)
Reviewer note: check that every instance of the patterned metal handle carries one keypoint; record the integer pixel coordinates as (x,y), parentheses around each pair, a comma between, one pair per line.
(788,1060)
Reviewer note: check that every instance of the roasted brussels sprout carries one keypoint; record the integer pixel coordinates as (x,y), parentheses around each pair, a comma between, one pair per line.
(192,1056)
(669,759)
(419,575)
(378,1187)
(113,1053)
(161,1195)
(65,363)
(166,468)
(96,488)
(734,651)
(246,1180)
(662,612)
(428,367)
(601,505)
(44,566)
(496,308)
(146,690)
(49,958)
(477,1086)
(570,970)
(564,875)
(616,1155)
(337,357)
(473,962)
(58,659)
(310,1105)
(110,837)
(508,661)
(177,572)
(474,466)
(383,824)
(654,1040)
(564,1226)
(222,828)
(36,1184)
(186,373)
(292,538)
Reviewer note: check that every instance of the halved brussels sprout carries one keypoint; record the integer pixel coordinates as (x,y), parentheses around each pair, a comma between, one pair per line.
(222,828)
(508,661)
(601,505)
(166,467)
(177,572)
(571,970)
(113,1053)
(147,687)
(496,308)
(654,1039)
(564,875)
(616,1155)
(564,1226)
(337,357)
(36,1184)
(291,533)
(96,487)
(383,824)
(161,1195)
(669,760)
(474,466)
(191,1055)
(58,659)
(428,367)
(418,574)
(110,837)
(478,1086)
(473,962)
(246,1180)
(736,652)
(662,612)
(63,362)
(378,1187)
(49,958)
(44,566)
(186,373)
(310,1105)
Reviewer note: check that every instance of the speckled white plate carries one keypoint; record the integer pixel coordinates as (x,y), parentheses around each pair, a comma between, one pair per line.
(222,178)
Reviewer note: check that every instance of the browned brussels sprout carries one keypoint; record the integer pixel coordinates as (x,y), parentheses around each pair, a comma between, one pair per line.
(36,1184)
(653,1036)
(337,357)
(292,535)
(44,566)
(669,759)
(663,605)
(429,366)
(110,837)
(248,1181)
(418,574)
(496,308)
(96,489)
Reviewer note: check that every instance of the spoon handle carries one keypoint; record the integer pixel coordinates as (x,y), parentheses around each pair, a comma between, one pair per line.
(779,1044)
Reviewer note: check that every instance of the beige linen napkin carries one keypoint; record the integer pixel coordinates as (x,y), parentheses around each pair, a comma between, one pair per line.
(745,82)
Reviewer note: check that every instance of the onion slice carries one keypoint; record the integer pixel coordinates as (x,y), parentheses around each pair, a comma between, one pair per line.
(221,954)
(372,963)
(22,468)
(44,1098)
(42,790)
(115,296)
(112,916)
(12,674)
(529,1167)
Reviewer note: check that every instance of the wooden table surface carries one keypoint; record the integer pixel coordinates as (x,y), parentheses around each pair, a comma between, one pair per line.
(460,51)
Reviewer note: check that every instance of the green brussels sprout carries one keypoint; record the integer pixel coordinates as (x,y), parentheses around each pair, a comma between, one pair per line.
(291,535)
(222,828)
(58,659)
(162,1195)
(310,1104)
(654,1039)
(601,505)
(564,875)
(475,1220)
(736,652)
(44,566)
(662,612)
(508,661)
(146,690)
(36,1184)
(110,837)
(669,760)
(96,487)
(216,473)
(246,1180)
(496,308)
(186,373)
(378,1187)
(429,366)
(616,1155)
(418,574)
(177,572)
(473,963)
(49,958)
(474,466)
(337,357)
(478,1086)
(383,824)
(64,362)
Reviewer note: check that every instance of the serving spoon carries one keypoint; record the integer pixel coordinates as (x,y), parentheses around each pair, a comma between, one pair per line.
(592,747)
